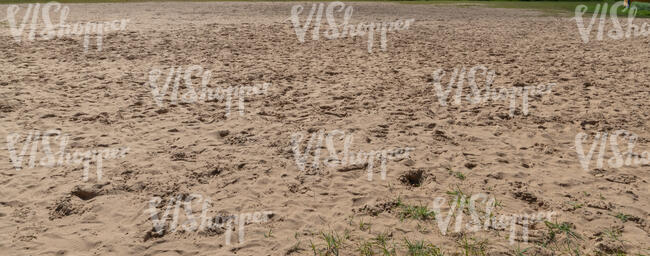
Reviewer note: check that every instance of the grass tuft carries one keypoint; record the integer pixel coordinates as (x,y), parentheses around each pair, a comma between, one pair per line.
(562,237)
(333,243)
(623,217)
(416,212)
(473,246)
(421,248)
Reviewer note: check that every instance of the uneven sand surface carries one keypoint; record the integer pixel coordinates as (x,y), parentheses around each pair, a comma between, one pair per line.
(385,99)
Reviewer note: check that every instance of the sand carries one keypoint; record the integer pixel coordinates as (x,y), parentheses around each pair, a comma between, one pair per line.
(386,99)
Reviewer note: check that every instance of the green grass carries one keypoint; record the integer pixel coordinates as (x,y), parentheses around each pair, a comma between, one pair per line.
(333,243)
(365,249)
(417,212)
(550,7)
(575,205)
(623,217)
(614,234)
(473,246)
(382,242)
(641,6)
(566,8)
(421,248)
(363,226)
(562,237)
(520,252)
(269,234)
(459,175)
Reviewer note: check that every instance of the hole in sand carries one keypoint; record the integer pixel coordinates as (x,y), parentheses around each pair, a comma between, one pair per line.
(413,178)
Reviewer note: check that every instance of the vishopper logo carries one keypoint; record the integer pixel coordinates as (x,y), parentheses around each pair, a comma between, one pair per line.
(205,94)
(350,160)
(489,220)
(618,160)
(60,30)
(348,30)
(218,224)
(457,79)
(62,158)
(617,32)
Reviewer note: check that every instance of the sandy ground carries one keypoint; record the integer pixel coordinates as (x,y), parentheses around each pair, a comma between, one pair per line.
(386,99)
